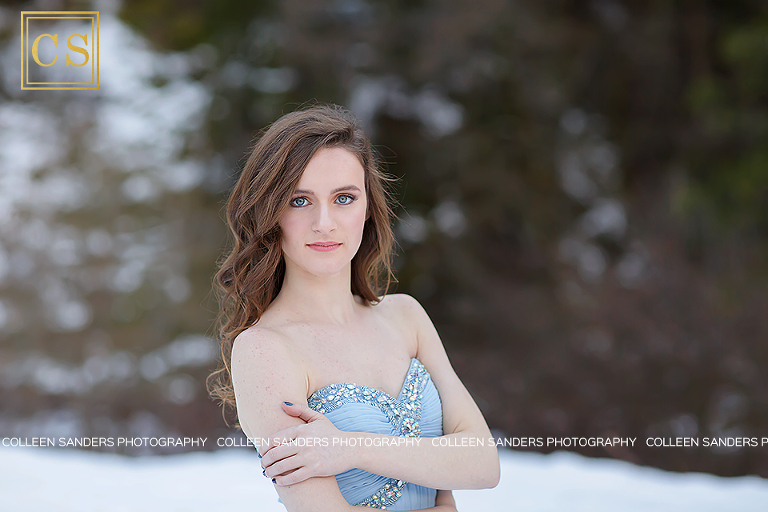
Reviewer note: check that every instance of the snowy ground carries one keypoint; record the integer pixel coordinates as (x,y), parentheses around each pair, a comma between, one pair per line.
(50,479)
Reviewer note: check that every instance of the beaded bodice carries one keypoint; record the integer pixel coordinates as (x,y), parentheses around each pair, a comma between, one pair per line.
(401,416)
(403,412)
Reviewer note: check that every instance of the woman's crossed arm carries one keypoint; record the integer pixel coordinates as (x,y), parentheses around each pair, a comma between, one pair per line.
(264,376)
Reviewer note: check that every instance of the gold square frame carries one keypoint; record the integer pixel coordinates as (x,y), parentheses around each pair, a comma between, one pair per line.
(95,48)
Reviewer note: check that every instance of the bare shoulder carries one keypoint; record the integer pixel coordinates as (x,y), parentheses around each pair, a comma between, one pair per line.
(429,347)
(409,311)
(406,307)
(258,346)
(406,314)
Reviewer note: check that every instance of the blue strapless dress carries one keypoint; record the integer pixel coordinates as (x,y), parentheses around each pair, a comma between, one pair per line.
(416,412)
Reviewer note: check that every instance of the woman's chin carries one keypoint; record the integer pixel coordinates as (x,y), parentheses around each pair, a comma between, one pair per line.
(325,270)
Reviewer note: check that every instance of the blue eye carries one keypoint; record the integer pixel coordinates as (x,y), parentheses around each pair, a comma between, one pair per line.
(292,203)
(351,198)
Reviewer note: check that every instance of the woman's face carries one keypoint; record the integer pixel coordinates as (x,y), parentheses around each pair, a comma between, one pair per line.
(323,226)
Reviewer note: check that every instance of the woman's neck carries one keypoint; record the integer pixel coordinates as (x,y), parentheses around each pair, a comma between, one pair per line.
(326,299)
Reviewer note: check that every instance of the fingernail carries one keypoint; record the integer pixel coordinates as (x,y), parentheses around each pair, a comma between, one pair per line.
(287,403)
(264,472)
(273,481)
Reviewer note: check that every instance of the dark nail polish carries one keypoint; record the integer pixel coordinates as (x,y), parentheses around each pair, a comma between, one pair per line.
(264,472)
(273,481)
(287,403)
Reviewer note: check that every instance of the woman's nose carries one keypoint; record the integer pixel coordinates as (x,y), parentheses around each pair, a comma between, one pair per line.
(324,221)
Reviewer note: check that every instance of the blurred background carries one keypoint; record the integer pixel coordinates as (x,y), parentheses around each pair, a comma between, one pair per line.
(584,207)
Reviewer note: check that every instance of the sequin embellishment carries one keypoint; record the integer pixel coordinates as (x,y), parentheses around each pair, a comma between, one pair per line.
(404,413)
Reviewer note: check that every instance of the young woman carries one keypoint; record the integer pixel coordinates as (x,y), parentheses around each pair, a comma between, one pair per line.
(328,378)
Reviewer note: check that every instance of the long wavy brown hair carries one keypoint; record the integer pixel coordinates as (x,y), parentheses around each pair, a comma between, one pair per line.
(251,274)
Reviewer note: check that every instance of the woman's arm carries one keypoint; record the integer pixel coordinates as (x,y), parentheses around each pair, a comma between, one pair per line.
(468,459)
(464,458)
(264,375)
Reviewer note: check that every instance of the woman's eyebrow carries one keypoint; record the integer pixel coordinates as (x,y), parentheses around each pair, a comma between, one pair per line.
(340,189)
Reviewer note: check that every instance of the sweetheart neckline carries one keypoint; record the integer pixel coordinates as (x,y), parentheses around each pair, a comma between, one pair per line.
(363,386)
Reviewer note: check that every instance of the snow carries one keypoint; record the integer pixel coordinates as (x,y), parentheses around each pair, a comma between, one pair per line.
(44,479)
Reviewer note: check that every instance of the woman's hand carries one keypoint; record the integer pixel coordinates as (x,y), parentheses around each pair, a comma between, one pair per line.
(305,451)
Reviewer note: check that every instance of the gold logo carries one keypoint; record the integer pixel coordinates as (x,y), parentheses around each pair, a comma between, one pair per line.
(48,35)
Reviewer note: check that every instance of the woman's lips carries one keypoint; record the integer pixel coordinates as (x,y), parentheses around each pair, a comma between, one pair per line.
(324,247)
